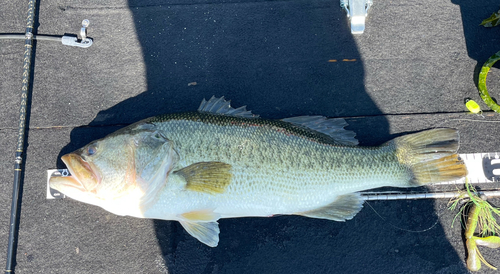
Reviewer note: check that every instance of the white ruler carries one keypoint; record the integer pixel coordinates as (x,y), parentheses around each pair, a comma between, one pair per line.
(483,168)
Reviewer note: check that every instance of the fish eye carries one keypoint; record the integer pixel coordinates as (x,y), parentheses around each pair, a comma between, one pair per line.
(91,150)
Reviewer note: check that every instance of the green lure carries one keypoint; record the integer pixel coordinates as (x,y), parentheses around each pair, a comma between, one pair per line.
(492,21)
(483,91)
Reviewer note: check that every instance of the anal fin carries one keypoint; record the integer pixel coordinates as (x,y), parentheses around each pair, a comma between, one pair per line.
(205,232)
(345,207)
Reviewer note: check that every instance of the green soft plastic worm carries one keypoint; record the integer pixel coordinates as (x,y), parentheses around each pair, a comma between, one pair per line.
(483,91)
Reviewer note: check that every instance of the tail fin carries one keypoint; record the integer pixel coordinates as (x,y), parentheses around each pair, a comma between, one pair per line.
(431,156)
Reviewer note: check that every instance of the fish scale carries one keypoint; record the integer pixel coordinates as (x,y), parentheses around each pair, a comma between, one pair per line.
(266,161)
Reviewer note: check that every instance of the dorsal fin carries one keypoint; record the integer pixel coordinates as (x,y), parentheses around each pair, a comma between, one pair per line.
(333,127)
(223,107)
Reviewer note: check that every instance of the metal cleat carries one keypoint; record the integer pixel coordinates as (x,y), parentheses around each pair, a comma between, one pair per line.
(357,10)
(85,42)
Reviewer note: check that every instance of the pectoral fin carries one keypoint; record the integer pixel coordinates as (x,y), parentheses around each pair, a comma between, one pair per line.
(205,232)
(208,177)
(345,207)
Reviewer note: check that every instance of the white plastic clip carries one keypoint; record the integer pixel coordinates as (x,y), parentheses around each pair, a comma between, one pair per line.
(85,42)
(357,10)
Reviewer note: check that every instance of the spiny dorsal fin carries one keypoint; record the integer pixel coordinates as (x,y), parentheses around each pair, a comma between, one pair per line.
(223,107)
(333,127)
(208,177)
(345,207)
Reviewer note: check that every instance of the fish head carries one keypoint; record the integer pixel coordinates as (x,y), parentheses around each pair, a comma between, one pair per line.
(122,173)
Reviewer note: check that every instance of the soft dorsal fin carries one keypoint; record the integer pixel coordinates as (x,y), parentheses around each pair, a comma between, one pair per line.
(207,177)
(223,107)
(333,127)
(345,207)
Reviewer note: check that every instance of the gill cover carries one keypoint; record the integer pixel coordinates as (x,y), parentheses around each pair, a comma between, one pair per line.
(122,172)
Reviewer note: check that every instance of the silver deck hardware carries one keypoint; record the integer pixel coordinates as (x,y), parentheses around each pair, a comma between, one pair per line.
(85,42)
(357,10)
(68,40)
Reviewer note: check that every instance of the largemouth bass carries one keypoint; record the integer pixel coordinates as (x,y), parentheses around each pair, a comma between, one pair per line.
(221,162)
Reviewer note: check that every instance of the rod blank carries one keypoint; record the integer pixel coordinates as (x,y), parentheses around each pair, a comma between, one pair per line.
(23,112)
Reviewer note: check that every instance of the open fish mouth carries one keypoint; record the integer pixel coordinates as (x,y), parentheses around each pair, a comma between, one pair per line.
(62,184)
(82,179)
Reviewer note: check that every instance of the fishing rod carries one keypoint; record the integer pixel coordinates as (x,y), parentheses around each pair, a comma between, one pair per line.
(85,42)
(23,112)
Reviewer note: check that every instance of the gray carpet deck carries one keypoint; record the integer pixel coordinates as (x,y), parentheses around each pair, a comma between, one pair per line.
(411,70)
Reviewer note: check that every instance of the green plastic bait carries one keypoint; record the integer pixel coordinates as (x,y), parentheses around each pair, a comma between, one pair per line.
(483,91)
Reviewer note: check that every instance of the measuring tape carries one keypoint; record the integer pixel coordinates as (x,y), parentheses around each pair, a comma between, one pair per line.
(483,168)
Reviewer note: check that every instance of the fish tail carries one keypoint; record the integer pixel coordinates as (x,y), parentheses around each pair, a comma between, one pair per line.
(431,156)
